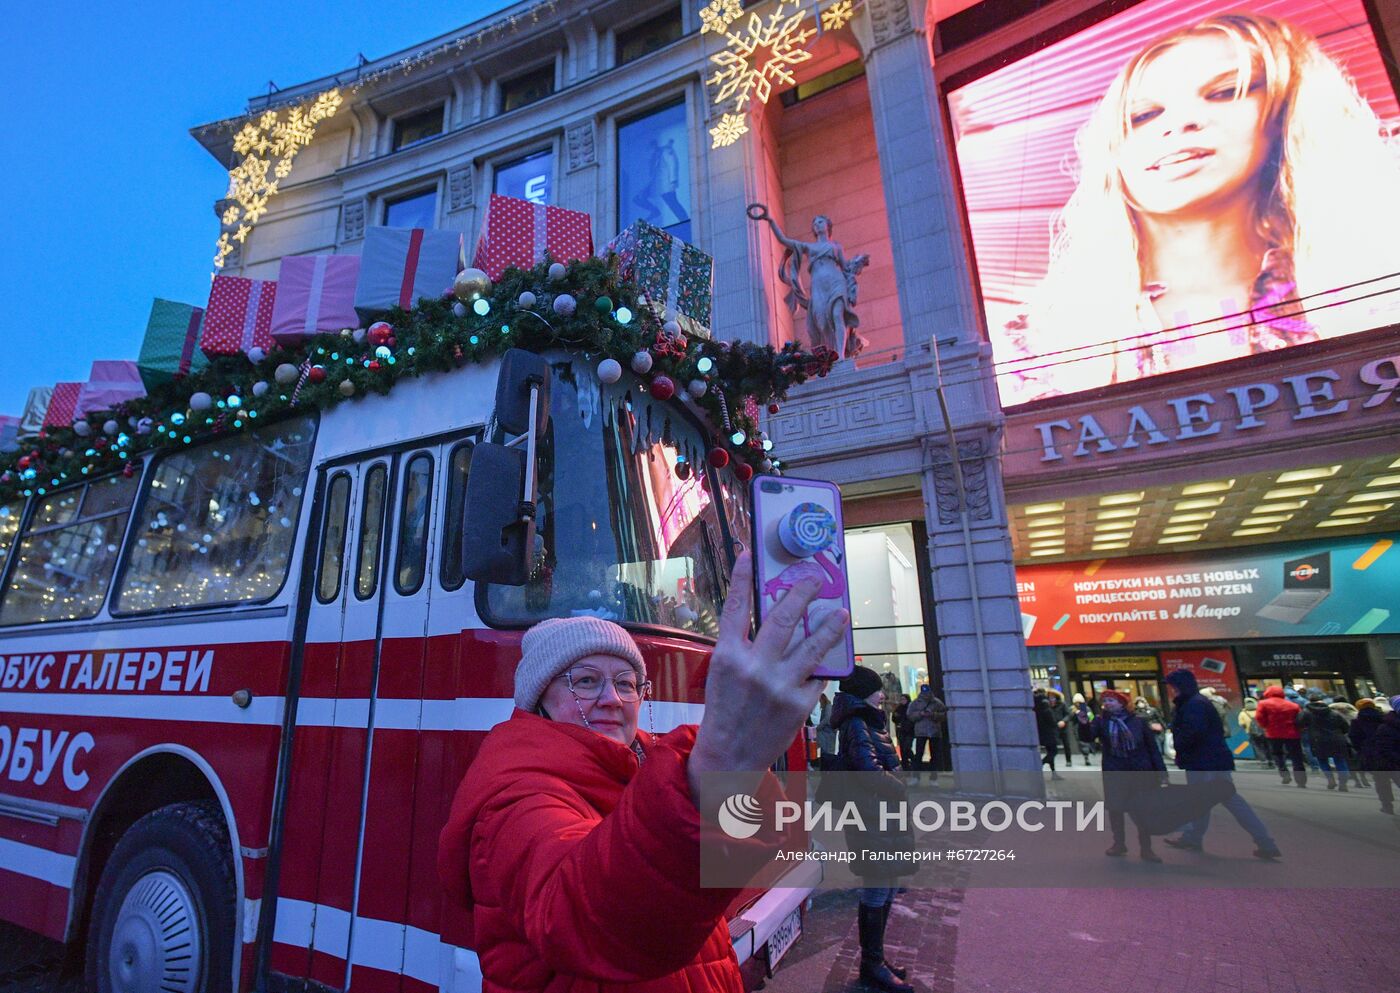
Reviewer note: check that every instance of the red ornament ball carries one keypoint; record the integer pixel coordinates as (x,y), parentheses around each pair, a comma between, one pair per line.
(772,408)
(718,458)
(682,470)
(743,471)
(392,342)
(380,332)
(663,387)
(374,365)
(316,374)
(24,462)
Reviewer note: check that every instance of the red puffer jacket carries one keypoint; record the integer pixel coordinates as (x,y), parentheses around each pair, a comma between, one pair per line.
(1277,715)
(581,867)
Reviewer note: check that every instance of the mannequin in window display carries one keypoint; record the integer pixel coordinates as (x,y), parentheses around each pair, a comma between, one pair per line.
(663,184)
(830,296)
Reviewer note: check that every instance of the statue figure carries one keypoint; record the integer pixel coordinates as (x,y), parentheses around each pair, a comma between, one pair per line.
(831,297)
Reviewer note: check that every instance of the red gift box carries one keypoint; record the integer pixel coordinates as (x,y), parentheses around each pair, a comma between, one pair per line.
(518,233)
(239,316)
(63,405)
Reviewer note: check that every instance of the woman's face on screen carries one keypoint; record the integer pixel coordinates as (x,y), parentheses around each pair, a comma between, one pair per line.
(1192,144)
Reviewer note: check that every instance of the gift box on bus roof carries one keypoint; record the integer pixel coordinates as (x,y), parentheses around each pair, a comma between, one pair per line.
(168,351)
(63,405)
(109,383)
(31,420)
(315,295)
(399,266)
(671,275)
(239,316)
(518,233)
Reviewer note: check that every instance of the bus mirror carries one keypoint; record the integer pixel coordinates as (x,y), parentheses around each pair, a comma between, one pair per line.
(521,374)
(498,536)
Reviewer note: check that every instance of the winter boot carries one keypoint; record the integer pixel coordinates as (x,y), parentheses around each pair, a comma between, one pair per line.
(1287,777)
(873,971)
(1300,778)
(899,971)
(1331,782)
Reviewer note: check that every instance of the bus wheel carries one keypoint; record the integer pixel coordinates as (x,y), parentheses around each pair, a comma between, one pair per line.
(164,914)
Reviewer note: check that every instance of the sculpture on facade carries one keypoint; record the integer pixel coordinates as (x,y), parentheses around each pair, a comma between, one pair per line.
(830,296)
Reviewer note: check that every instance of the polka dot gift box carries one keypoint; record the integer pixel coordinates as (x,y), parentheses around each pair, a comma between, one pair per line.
(62,405)
(518,233)
(239,316)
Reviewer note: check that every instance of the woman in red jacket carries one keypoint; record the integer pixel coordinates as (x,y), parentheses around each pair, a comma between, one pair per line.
(1278,716)
(574,839)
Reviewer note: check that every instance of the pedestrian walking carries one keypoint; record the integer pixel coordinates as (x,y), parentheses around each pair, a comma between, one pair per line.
(1326,731)
(1045,728)
(1060,711)
(1257,739)
(1301,700)
(826,736)
(1154,720)
(574,841)
(1082,706)
(927,713)
(1370,744)
(1349,714)
(1278,716)
(1201,750)
(1130,756)
(904,733)
(866,748)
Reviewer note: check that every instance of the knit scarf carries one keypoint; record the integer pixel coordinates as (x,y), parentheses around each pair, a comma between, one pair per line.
(1121,739)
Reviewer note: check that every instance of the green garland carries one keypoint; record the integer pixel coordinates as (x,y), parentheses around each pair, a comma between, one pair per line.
(429,338)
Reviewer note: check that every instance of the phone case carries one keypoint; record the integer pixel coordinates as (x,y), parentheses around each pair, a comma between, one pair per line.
(798,534)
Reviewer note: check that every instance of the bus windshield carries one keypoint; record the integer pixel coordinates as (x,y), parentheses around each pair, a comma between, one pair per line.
(627,528)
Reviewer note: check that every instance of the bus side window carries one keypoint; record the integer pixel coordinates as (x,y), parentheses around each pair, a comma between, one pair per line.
(65,558)
(10,516)
(371,533)
(333,538)
(458,466)
(413,524)
(218,521)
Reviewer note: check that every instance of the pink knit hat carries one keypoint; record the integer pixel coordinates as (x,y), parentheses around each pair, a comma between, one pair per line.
(552,646)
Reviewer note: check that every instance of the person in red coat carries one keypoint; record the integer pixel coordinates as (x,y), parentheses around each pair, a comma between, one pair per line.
(574,838)
(1278,716)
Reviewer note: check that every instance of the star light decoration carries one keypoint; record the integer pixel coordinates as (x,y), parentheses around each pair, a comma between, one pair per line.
(268,146)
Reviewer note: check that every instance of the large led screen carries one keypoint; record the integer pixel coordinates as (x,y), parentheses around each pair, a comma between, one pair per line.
(1180,184)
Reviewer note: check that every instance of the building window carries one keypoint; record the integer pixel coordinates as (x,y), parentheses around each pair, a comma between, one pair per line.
(887,615)
(413,128)
(530,178)
(647,37)
(416,210)
(827,80)
(653,172)
(526,89)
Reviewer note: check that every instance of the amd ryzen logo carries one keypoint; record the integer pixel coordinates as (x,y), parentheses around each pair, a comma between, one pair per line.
(1305,571)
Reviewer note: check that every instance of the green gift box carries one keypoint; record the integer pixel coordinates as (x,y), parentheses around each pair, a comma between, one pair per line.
(671,274)
(169,349)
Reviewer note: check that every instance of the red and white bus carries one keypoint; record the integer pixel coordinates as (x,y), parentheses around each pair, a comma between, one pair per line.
(240,685)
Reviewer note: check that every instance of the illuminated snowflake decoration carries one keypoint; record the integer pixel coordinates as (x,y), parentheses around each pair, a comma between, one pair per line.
(253,181)
(760,54)
(731,128)
(719,15)
(838,15)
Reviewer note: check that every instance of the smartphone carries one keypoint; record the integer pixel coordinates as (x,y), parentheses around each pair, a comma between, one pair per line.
(797,534)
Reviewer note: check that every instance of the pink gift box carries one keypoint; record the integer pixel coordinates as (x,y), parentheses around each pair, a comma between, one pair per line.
(518,233)
(315,294)
(239,316)
(63,405)
(109,383)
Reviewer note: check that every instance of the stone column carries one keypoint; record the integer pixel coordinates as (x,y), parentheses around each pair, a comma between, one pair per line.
(981,648)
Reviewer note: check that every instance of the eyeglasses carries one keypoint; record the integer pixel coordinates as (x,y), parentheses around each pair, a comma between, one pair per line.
(587,684)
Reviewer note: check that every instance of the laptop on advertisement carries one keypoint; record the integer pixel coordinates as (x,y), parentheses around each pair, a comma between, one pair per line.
(1307,581)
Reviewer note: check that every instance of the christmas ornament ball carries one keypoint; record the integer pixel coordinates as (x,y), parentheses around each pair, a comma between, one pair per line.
(682,470)
(145,425)
(697,388)
(317,374)
(673,328)
(556,272)
(111,427)
(256,354)
(347,388)
(470,284)
(201,401)
(527,300)
(663,387)
(718,458)
(459,309)
(641,363)
(260,388)
(81,428)
(565,305)
(743,471)
(380,332)
(772,408)
(609,371)
(604,305)
(286,374)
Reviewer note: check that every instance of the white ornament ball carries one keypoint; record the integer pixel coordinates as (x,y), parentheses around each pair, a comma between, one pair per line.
(259,388)
(565,305)
(641,363)
(347,388)
(609,371)
(697,388)
(201,401)
(556,272)
(256,354)
(459,309)
(286,373)
(144,425)
(358,335)
(673,328)
(111,427)
(82,428)
(767,465)
(527,300)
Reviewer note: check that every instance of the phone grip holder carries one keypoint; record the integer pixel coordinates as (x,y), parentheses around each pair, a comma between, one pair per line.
(807,529)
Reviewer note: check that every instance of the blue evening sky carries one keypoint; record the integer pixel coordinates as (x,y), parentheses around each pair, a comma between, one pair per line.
(106,201)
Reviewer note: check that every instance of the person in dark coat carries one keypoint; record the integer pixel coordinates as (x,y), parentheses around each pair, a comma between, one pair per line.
(865,747)
(1130,755)
(1046,730)
(1199,736)
(1060,711)
(904,732)
(927,712)
(1365,739)
(1326,732)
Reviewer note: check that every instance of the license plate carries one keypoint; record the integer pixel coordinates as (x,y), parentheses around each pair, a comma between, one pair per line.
(783,938)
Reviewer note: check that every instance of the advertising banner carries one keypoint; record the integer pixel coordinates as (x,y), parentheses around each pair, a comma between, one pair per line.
(1184,182)
(1312,588)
